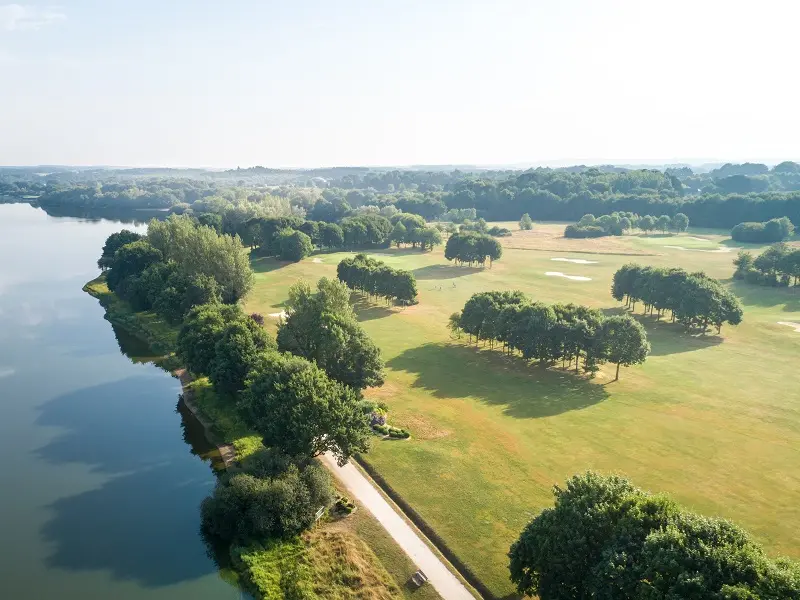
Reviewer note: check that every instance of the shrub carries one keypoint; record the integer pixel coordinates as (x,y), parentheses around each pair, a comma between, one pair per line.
(589,231)
(773,230)
(499,232)
(382,429)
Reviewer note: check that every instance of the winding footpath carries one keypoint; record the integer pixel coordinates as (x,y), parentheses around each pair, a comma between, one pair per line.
(439,576)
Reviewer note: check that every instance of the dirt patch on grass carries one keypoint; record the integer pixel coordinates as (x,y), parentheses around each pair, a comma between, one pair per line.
(420,428)
(796,326)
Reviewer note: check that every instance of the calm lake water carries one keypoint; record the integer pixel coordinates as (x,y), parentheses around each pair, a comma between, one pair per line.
(100,491)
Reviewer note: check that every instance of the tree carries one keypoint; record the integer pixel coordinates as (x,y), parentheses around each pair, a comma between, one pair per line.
(663,223)
(428,237)
(331,235)
(201,330)
(605,538)
(399,234)
(647,223)
(680,222)
(320,329)
(526,223)
(294,245)
(131,260)
(624,341)
(270,496)
(113,243)
(236,353)
(297,408)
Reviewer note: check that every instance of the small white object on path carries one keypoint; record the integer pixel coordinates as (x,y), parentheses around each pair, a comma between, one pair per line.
(573,277)
(317,260)
(790,324)
(279,315)
(439,576)
(577,261)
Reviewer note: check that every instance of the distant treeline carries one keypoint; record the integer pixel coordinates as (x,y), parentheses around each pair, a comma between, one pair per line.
(619,223)
(722,198)
(694,299)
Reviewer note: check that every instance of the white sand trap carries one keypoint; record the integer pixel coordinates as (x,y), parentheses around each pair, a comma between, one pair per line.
(279,315)
(720,250)
(317,260)
(573,277)
(691,237)
(790,324)
(577,261)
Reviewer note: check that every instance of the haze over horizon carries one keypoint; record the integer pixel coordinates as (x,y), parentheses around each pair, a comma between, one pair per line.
(510,82)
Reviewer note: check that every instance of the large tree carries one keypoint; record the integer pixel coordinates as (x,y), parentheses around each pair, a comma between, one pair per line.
(605,538)
(623,341)
(113,243)
(296,407)
(236,353)
(201,330)
(322,327)
(131,260)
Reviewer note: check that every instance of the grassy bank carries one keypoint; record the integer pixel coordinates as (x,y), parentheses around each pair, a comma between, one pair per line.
(348,559)
(711,420)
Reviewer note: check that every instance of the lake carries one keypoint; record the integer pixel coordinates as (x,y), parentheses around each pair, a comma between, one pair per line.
(101,486)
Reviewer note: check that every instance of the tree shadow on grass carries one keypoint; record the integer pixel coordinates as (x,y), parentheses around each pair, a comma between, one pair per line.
(668,338)
(266,264)
(444,272)
(526,391)
(759,295)
(367,310)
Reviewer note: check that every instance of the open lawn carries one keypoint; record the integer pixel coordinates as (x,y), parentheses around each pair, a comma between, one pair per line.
(712,421)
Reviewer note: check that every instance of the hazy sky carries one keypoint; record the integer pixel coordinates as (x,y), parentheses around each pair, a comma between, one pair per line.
(341,82)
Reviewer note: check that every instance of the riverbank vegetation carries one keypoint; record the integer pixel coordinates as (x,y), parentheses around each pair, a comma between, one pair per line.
(253,394)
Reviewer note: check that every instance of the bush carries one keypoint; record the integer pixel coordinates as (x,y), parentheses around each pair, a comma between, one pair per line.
(271,496)
(773,230)
(294,245)
(589,231)
(382,429)
(499,232)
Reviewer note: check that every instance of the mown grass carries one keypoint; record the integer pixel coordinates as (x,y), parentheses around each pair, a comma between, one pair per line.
(712,420)
(350,559)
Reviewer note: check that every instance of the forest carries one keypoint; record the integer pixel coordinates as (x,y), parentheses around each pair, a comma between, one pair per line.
(722,197)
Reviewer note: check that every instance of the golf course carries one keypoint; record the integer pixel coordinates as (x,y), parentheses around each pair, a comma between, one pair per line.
(713,421)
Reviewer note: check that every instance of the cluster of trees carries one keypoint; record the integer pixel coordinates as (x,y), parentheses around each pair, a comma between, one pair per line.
(777,266)
(303,393)
(619,222)
(605,538)
(177,266)
(774,230)
(561,332)
(377,279)
(472,248)
(694,299)
(411,229)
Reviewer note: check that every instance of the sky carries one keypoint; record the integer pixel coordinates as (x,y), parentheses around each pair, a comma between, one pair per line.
(343,82)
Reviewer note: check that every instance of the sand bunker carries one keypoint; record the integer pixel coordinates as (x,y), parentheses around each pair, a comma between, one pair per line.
(691,237)
(790,324)
(577,261)
(317,260)
(720,250)
(573,277)
(279,315)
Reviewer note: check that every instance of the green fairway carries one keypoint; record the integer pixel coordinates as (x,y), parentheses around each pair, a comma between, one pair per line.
(714,421)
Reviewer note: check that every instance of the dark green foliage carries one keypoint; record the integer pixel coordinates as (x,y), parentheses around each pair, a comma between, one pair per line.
(622,340)
(320,329)
(131,260)
(212,220)
(605,538)
(201,330)
(472,248)
(773,230)
(296,407)
(236,353)
(778,265)
(270,496)
(366,230)
(561,332)
(113,243)
(331,235)
(293,245)
(695,299)
(588,231)
(374,277)
(499,232)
